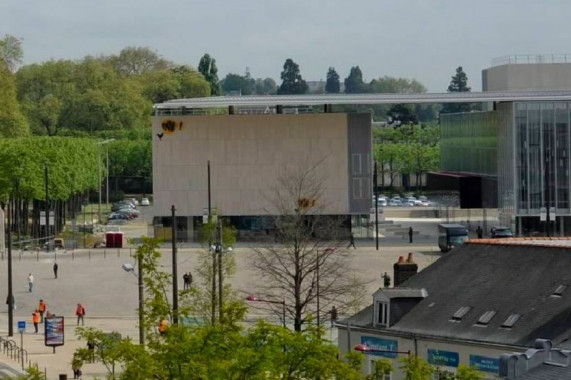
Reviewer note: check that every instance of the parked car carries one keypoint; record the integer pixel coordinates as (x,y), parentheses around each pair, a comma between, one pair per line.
(145,202)
(133,201)
(395,202)
(501,232)
(116,216)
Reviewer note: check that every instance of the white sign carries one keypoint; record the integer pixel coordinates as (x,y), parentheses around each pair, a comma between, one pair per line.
(43,218)
(543,214)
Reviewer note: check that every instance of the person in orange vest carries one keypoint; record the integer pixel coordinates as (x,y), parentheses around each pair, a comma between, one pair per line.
(42,307)
(36,319)
(80,312)
(163,326)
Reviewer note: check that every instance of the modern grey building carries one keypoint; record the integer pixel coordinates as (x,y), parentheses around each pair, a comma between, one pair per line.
(523,145)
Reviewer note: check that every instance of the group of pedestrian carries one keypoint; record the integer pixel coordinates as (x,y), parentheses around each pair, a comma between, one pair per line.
(31,277)
(38,314)
(187,280)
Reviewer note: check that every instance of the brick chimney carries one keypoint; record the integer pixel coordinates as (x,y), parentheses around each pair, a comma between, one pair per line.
(403,270)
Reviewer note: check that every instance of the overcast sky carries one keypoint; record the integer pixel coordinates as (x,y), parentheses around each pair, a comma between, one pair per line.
(424,40)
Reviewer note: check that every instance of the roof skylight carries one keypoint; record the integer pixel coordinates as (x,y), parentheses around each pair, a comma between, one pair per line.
(558,292)
(460,313)
(486,317)
(512,320)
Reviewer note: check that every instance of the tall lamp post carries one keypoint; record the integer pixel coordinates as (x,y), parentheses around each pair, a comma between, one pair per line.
(317,275)
(174,270)
(366,349)
(256,299)
(104,142)
(129,268)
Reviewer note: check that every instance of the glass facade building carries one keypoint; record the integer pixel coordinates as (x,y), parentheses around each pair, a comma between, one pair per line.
(527,144)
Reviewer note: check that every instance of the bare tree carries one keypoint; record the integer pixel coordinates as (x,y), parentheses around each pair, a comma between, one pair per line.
(309,263)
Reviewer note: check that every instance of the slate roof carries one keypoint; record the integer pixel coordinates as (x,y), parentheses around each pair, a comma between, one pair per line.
(547,372)
(505,278)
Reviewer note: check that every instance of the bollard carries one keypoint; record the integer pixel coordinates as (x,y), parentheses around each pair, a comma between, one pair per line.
(104,253)
(20,256)
(72,255)
(62,376)
(89,254)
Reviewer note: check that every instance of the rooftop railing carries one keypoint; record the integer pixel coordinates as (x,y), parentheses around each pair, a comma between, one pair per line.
(531,58)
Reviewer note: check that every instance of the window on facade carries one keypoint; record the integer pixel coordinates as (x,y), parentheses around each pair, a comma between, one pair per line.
(486,317)
(383,311)
(460,313)
(356,160)
(357,188)
(511,320)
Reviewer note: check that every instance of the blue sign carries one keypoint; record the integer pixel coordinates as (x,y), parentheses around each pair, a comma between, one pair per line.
(381,345)
(21,326)
(485,364)
(444,358)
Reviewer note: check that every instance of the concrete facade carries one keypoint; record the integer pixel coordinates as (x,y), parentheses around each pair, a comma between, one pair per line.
(522,77)
(247,154)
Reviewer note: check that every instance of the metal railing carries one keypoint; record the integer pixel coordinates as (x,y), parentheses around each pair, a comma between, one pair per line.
(531,58)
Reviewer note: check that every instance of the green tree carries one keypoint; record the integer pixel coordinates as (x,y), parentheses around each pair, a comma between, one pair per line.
(292,82)
(266,86)
(134,60)
(415,368)
(354,82)
(468,373)
(332,85)
(207,67)
(382,368)
(11,52)
(458,83)
(12,122)
(402,114)
(234,83)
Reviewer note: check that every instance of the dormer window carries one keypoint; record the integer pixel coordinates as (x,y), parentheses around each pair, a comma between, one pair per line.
(383,313)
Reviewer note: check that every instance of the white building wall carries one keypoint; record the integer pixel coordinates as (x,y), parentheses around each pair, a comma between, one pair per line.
(247,153)
(446,349)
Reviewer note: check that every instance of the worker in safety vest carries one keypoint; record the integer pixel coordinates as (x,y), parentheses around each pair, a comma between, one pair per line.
(42,307)
(36,319)
(163,326)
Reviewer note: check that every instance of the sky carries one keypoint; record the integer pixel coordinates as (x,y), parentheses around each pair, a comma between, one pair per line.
(424,40)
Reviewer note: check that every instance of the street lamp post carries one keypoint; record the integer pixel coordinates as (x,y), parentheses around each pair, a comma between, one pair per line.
(318,290)
(256,299)
(129,268)
(366,349)
(105,142)
(174,270)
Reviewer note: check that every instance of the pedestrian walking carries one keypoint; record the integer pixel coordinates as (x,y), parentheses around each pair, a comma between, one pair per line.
(185,280)
(36,319)
(76,364)
(30,282)
(410,233)
(333,313)
(55,270)
(386,280)
(163,326)
(91,350)
(13,302)
(352,241)
(479,232)
(42,307)
(80,312)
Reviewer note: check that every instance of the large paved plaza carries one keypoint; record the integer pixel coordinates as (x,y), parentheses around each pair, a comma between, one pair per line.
(110,295)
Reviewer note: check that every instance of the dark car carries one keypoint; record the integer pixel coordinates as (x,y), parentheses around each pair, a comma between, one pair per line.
(501,232)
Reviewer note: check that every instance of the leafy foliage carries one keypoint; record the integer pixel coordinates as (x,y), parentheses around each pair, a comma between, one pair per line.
(415,368)
(10,52)
(458,83)
(332,85)
(12,122)
(354,82)
(207,67)
(292,82)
